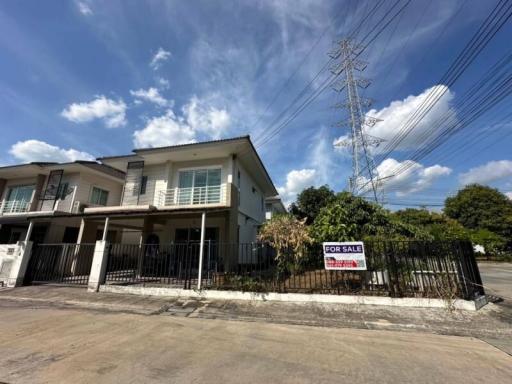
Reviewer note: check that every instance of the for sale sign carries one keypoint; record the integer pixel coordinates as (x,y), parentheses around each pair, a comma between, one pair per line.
(345,256)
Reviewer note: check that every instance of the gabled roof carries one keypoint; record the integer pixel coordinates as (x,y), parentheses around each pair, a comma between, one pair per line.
(241,146)
(35,168)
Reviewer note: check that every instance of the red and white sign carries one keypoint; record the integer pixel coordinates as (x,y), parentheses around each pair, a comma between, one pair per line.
(344,256)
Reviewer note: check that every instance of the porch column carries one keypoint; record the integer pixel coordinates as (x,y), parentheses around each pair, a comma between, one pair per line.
(105,229)
(201,250)
(81,231)
(29,231)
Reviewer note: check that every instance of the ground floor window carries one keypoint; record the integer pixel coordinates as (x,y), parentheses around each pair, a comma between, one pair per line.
(185,235)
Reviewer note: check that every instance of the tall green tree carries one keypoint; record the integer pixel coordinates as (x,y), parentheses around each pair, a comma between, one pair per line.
(436,224)
(310,201)
(481,207)
(349,217)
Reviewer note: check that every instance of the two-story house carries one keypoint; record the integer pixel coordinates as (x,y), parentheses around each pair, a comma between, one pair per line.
(167,191)
(51,196)
(273,206)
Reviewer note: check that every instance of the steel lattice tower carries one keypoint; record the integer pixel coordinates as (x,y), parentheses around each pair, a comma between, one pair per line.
(346,54)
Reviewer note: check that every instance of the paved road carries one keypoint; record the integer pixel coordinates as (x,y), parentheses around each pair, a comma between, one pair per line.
(49,345)
(497,278)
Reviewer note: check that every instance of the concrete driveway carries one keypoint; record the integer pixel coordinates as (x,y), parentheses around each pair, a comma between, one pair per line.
(497,279)
(48,345)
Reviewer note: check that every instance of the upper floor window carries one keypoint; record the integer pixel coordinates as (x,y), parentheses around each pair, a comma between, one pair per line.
(143,184)
(18,199)
(99,196)
(20,193)
(199,186)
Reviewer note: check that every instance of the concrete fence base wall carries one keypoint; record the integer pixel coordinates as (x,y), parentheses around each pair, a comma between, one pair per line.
(14,260)
(468,305)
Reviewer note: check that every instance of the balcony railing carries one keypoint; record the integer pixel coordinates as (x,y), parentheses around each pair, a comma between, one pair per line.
(212,194)
(14,206)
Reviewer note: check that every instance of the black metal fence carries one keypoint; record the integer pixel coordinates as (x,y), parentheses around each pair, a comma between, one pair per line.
(60,264)
(165,264)
(437,269)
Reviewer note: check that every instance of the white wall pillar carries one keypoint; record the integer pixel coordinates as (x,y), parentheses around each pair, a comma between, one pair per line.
(29,231)
(81,231)
(99,266)
(19,263)
(201,250)
(105,229)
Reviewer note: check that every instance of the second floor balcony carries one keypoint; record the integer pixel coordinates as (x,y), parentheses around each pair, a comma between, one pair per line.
(14,206)
(207,195)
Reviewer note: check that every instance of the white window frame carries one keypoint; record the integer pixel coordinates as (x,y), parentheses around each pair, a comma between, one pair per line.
(198,168)
(103,189)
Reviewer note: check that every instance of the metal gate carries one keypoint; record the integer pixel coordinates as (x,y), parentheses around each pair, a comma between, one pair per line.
(60,264)
(174,265)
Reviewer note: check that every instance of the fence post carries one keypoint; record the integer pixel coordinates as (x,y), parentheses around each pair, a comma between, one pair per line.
(99,266)
(19,263)
(201,250)
(394,281)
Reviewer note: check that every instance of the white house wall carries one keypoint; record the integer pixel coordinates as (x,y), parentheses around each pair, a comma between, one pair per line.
(158,177)
(251,212)
(88,181)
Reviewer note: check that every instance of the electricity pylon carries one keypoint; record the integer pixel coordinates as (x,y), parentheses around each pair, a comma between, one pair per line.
(346,54)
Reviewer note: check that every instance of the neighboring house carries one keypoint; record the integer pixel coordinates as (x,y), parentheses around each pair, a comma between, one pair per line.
(273,206)
(168,191)
(52,197)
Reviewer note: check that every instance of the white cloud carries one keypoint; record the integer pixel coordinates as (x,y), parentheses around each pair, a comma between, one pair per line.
(198,117)
(162,83)
(203,117)
(113,113)
(398,113)
(34,150)
(167,129)
(493,170)
(84,8)
(509,195)
(403,181)
(296,181)
(151,94)
(159,58)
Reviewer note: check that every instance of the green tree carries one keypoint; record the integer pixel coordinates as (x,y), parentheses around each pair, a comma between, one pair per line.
(332,224)
(438,225)
(310,201)
(481,207)
(349,217)
(493,244)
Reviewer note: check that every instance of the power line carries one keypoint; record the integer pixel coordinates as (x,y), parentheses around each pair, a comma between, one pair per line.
(485,33)
(308,101)
(483,96)
(308,85)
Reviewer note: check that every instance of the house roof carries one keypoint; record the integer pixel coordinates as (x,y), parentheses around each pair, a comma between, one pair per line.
(276,200)
(241,146)
(34,168)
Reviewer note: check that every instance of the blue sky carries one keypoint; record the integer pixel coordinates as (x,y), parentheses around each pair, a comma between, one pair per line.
(86,78)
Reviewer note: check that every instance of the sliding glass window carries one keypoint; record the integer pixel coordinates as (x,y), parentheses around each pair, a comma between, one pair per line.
(199,186)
